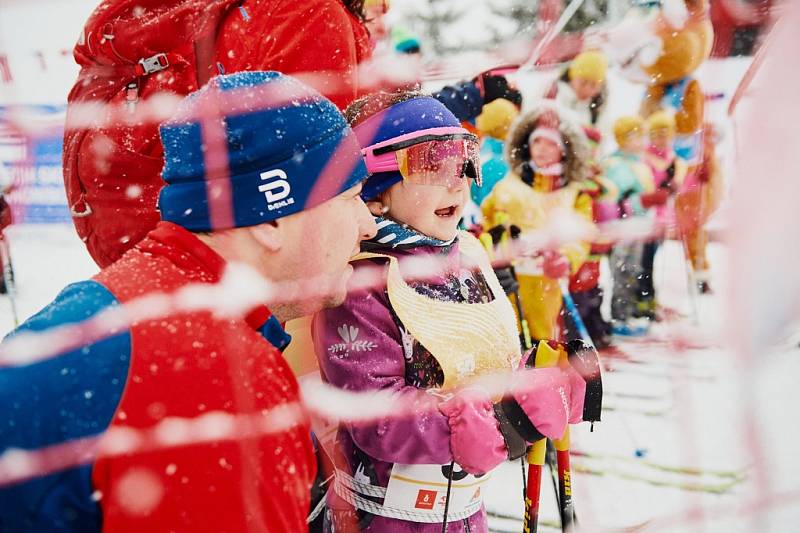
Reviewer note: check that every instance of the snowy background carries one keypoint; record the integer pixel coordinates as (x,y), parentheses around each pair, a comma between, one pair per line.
(681,408)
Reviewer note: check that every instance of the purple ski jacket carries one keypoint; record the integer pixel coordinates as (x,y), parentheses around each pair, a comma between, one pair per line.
(360,347)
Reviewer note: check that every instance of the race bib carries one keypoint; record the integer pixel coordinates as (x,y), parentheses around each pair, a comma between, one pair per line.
(422,490)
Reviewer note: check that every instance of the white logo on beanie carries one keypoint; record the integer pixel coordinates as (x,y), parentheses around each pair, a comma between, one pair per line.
(276,189)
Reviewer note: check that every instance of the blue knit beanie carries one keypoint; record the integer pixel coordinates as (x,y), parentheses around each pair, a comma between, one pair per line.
(421,113)
(288,149)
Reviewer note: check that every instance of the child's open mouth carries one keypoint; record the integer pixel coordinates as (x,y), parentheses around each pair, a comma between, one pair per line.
(446,212)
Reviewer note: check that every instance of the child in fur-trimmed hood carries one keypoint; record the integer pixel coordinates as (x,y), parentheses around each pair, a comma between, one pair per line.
(548,155)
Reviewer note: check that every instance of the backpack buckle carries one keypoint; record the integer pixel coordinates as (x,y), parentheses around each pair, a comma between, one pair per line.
(154,63)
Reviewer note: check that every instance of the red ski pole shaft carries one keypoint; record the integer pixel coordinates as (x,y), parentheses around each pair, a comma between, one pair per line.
(545,356)
(536,457)
(565,503)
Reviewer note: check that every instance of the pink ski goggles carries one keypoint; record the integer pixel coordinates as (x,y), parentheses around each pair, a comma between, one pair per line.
(436,156)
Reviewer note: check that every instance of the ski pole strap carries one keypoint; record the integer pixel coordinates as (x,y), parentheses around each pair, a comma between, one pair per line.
(347,481)
(569,303)
(515,443)
(317,510)
(585,360)
(518,420)
(447,496)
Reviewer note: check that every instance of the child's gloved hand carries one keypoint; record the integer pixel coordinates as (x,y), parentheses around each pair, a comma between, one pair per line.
(538,403)
(475,439)
(493,86)
(497,233)
(581,370)
(555,265)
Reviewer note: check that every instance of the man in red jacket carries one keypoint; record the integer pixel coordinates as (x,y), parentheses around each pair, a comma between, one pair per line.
(134,55)
(190,420)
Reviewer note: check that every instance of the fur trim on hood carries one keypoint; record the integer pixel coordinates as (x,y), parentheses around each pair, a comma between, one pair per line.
(576,168)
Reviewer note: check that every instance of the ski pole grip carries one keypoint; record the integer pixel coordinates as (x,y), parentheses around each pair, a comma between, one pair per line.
(537,453)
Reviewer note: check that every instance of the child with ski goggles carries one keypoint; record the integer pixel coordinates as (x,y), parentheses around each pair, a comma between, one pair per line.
(435,156)
(427,336)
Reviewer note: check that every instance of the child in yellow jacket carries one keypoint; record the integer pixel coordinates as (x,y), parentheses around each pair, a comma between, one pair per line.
(548,156)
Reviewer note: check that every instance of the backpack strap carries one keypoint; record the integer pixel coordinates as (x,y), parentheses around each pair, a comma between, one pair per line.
(204,57)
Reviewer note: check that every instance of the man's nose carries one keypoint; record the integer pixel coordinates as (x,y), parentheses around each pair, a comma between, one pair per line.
(367,226)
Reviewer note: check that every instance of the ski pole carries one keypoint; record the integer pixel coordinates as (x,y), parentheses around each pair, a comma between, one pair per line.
(524,330)
(554,30)
(545,357)
(536,457)
(552,465)
(527,344)
(572,310)
(566,504)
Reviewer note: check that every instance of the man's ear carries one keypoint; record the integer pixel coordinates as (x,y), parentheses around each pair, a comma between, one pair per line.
(270,235)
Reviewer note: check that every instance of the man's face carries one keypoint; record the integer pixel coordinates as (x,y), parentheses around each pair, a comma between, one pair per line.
(317,246)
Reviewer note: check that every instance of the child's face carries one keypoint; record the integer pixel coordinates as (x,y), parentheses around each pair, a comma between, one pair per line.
(430,209)
(585,89)
(545,152)
(634,144)
(661,138)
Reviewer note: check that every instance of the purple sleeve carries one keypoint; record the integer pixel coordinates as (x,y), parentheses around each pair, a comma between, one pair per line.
(359,348)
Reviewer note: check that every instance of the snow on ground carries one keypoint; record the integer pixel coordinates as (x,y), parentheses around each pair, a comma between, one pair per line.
(681,408)
(45,257)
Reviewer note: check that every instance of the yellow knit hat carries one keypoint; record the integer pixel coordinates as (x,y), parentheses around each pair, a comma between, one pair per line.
(626,127)
(496,118)
(661,120)
(589,65)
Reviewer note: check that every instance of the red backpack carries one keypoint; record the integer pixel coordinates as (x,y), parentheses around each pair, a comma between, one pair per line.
(131,51)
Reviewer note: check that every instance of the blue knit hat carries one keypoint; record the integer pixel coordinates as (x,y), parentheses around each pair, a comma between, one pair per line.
(421,113)
(288,149)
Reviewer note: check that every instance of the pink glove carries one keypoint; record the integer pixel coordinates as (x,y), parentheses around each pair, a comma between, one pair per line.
(555,265)
(475,439)
(542,395)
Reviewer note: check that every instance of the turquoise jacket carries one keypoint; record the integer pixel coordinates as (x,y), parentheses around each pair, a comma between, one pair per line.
(629,173)
(493,169)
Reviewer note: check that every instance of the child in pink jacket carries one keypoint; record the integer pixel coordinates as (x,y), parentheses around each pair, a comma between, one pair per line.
(426,334)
